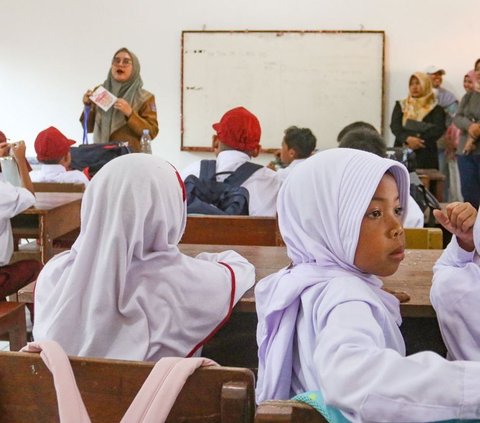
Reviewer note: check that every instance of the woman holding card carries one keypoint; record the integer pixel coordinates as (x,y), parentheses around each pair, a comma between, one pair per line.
(131,109)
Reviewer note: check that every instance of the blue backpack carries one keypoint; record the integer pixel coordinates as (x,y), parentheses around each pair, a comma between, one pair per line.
(205,195)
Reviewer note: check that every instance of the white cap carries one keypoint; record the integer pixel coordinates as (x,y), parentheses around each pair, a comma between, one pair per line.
(434,69)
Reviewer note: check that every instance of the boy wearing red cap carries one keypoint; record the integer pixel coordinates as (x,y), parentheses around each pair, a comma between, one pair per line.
(53,151)
(14,200)
(236,141)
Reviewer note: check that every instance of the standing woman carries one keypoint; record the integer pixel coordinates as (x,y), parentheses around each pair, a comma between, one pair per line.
(467,120)
(418,121)
(133,111)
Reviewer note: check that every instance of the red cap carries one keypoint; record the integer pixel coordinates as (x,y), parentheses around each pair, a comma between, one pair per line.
(51,144)
(239,129)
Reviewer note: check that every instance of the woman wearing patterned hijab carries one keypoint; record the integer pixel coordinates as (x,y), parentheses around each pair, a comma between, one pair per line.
(134,109)
(418,121)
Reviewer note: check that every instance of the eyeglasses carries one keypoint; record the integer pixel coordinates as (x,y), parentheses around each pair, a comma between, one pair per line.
(120,61)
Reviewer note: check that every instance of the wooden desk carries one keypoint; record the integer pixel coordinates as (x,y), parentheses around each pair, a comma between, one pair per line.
(414,275)
(53,214)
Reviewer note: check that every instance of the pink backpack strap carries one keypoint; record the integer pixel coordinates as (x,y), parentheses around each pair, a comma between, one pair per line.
(156,397)
(71,408)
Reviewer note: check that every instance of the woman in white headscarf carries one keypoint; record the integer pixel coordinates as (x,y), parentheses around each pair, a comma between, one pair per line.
(133,111)
(125,290)
(325,324)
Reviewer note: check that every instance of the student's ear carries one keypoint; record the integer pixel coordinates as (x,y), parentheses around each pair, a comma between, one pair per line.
(66,160)
(256,151)
(215,143)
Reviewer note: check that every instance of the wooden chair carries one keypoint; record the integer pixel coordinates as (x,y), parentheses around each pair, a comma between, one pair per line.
(232,230)
(287,411)
(13,324)
(58,187)
(424,238)
(212,395)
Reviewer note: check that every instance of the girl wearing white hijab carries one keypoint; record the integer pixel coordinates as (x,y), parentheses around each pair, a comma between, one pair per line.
(325,324)
(455,292)
(133,111)
(124,290)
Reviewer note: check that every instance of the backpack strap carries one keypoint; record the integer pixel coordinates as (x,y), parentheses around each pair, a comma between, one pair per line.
(243,172)
(207,170)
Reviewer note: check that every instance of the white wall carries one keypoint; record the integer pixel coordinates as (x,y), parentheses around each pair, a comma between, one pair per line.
(51,51)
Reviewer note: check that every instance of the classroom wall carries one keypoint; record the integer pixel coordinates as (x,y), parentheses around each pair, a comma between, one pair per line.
(52,51)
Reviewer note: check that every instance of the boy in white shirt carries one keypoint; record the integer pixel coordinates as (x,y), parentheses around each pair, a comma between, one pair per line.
(53,151)
(14,200)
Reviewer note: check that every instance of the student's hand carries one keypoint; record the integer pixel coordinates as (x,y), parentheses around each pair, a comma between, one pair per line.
(4,149)
(86,98)
(18,150)
(459,219)
(415,143)
(401,296)
(469,146)
(123,106)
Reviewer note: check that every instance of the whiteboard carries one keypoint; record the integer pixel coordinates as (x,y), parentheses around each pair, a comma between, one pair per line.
(322,80)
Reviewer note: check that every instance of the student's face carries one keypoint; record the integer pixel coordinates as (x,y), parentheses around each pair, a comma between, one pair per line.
(287,155)
(122,67)
(415,87)
(381,243)
(436,78)
(468,83)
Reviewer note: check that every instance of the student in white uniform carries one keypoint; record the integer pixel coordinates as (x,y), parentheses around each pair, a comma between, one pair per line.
(125,290)
(325,324)
(13,200)
(53,152)
(298,144)
(370,140)
(236,141)
(455,292)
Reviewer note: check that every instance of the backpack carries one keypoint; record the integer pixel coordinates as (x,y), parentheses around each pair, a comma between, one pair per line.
(205,195)
(423,197)
(90,158)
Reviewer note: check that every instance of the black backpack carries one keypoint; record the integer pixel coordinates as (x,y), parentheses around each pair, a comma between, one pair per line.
(205,195)
(90,158)
(424,198)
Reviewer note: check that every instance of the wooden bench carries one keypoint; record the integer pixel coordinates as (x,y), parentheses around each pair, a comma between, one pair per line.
(424,238)
(232,230)
(13,324)
(287,411)
(58,187)
(213,394)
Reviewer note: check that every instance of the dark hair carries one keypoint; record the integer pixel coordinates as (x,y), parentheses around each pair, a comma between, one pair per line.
(353,126)
(301,140)
(366,140)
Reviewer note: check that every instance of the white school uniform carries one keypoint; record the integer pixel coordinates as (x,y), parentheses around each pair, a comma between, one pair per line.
(284,172)
(13,200)
(324,325)
(125,290)
(455,295)
(58,173)
(262,186)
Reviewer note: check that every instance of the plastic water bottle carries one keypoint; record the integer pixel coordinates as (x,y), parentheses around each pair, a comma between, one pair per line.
(146,142)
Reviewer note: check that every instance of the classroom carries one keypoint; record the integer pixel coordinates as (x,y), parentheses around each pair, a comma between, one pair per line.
(56,50)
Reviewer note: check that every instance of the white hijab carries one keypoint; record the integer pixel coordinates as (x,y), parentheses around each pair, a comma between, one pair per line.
(320,209)
(124,290)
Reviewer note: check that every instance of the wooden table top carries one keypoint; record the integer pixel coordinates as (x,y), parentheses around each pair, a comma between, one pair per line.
(414,276)
(46,201)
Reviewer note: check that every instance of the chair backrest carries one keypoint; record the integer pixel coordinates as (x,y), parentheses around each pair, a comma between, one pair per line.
(424,238)
(213,394)
(58,187)
(287,412)
(232,230)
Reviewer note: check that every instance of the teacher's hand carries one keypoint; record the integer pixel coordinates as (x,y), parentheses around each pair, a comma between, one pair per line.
(415,143)
(86,98)
(123,106)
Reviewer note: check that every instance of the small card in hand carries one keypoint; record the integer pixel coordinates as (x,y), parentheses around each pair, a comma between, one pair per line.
(418,126)
(103,98)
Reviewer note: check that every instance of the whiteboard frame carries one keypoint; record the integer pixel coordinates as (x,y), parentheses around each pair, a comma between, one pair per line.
(208,148)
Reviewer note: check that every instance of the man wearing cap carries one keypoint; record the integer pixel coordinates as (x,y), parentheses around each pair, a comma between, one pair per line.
(53,151)
(449,102)
(236,141)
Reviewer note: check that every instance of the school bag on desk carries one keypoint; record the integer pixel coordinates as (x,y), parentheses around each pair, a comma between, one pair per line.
(90,158)
(205,195)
